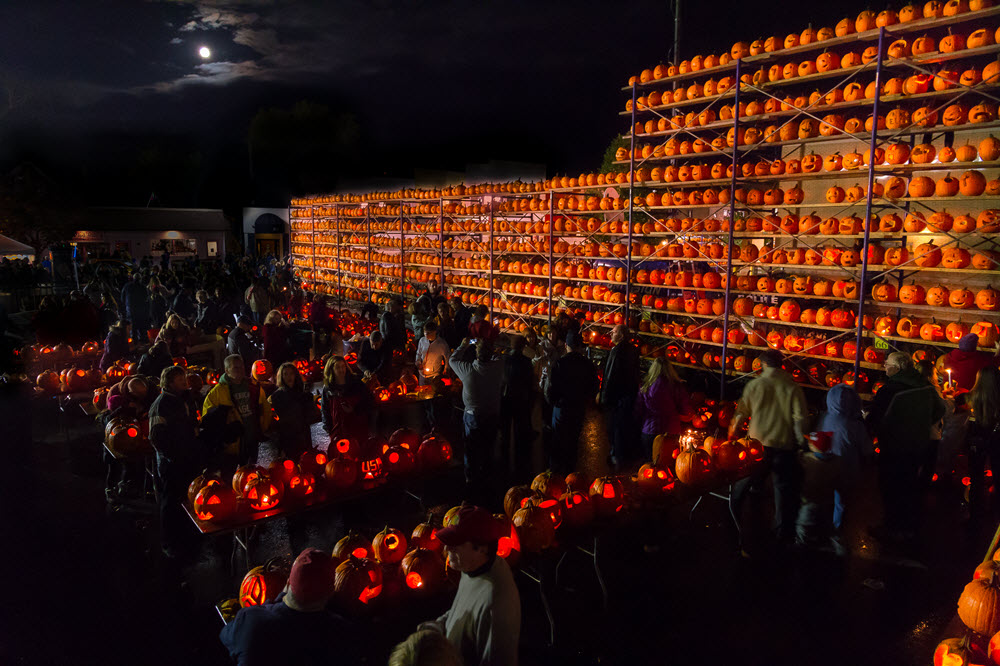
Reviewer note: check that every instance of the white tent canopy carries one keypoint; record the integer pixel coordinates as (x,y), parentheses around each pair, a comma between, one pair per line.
(12,248)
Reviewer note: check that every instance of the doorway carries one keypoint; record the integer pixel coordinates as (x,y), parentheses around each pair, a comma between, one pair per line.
(268,244)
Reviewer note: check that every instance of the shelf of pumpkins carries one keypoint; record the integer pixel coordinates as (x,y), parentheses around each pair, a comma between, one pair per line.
(649,245)
(693,134)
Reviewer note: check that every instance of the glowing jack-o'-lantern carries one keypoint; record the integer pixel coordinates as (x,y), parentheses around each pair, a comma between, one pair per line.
(358,581)
(264,583)
(423,570)
(399,461)
(125,438)
(960,652)
(424,535)
(654,481)
(202,480)
(243,476)
(434,451)
(535,528)
(372,469)
(263,493)
(313,461)
(731,456)
(213,502)
(352,544)
(301,485)
(389,546)
(344,447)
(607,494)
(261,370)
(987,332)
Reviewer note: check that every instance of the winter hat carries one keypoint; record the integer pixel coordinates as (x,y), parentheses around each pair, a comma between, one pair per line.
(969,342)
(311,579)
(573,340)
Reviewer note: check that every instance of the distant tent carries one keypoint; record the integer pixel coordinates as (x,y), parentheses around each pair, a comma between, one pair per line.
(12,248)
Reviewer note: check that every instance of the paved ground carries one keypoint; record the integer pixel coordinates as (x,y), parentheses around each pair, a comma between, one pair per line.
(87,585)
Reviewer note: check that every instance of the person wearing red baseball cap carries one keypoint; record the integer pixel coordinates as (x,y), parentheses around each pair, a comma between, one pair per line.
(296,628)
(484,621)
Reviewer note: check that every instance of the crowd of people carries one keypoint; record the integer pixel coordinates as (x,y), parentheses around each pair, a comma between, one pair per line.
(520,394)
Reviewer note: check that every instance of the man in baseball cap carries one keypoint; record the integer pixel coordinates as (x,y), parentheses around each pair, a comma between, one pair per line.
(484,621)
(296,628)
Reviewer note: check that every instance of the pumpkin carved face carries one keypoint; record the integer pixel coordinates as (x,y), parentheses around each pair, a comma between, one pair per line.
(937,296)
(987,299)
(927,255)
(962,299)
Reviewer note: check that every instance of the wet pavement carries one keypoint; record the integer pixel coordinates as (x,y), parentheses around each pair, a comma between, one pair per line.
(90,585)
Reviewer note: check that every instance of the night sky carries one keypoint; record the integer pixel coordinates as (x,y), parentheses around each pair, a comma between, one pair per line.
(101,86)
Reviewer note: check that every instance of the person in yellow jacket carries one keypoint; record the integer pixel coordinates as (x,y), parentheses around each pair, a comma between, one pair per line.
(249,402)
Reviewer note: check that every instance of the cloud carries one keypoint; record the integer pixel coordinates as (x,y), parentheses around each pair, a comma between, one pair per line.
(176,40)
(264,42)
(212,73)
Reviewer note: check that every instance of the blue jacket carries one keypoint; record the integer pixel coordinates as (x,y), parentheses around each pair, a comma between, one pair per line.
(274,635)
(850,437)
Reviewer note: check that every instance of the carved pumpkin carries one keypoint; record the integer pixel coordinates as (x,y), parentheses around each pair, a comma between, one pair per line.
(264,583)
(927,255)
(358,581)
(607,495)
(987,299)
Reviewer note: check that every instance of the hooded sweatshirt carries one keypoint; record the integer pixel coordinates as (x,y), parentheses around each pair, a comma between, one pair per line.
(903,412)
(843,419)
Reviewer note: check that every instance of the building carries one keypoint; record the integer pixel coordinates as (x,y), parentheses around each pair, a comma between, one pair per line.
(184,232)
(265,231)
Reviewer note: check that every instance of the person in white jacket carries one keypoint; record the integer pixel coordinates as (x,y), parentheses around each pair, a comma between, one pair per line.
(484,621)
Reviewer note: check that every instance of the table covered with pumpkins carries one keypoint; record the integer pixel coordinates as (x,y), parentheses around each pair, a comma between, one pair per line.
(542,524)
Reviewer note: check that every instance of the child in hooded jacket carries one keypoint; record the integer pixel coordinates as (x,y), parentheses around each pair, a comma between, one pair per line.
(850,443)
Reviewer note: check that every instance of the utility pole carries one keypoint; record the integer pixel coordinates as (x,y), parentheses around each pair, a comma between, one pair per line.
(677,31)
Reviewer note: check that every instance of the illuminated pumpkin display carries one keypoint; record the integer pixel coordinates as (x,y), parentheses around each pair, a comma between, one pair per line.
(357,582)
(373,469)
(214,502)
(508,543)
(125,438)
(960,652)
(202,480)
(313,461)
(264,583)
(283,470)
(398,462)
(263,493)
(607,494)
(389,546)
(262,370)
(423,570)
(424,535)
(731,456)
(654,481)
(301,485)
(344,447)
(434,451)
(535,529)
(352,544)
(549,485)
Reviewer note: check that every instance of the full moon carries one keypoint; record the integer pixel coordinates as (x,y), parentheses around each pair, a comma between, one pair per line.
(204,52)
